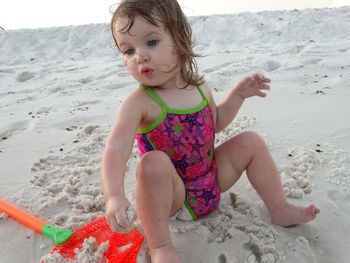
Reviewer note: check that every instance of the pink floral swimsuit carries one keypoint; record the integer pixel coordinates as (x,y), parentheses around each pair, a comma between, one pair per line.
(187,137)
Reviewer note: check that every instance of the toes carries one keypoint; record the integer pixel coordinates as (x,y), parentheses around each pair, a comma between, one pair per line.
(312,211)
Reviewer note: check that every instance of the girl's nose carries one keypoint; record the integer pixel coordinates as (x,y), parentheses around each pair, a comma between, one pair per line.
(141,57)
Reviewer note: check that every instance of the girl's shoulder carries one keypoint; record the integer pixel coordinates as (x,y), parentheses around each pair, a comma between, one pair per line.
(205,87)
(137,97)
(138,100)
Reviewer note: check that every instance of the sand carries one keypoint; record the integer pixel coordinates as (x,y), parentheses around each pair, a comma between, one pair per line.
(60,87)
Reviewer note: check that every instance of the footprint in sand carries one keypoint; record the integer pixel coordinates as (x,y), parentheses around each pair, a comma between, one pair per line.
(271,65)
(86,80)
(335,195)
(297,177)
(24,76)
(6,133)
(222,258)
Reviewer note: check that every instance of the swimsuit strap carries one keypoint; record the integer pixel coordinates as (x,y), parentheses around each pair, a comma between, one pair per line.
(199,87)
(156,98)
(162,103)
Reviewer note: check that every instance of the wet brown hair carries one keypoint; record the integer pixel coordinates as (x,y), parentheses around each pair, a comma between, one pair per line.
(169,13)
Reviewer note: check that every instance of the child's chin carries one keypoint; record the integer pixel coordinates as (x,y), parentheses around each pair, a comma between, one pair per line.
(150,83)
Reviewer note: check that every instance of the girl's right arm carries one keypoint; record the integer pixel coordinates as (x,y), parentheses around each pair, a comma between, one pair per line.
(115,156)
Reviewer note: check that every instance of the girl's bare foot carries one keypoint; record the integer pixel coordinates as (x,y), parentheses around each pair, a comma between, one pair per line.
(164,254)
(289,215)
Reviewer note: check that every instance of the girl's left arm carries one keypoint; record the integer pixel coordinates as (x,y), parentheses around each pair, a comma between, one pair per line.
(224,113)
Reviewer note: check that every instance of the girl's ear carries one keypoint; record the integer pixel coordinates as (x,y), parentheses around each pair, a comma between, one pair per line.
(201,81)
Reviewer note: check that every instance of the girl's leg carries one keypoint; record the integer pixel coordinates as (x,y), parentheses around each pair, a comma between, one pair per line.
(247,151)
(159,193)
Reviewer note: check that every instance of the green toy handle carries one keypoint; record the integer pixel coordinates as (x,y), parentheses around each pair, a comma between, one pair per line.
(57,235)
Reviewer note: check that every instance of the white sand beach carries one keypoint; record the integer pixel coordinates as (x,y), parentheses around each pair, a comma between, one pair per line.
(60,87)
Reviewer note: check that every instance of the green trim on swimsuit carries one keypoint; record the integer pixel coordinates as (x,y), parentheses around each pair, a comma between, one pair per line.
(154,124)
(190,210)
(166,109)
(211,152)
(150,142)
(156,97)
(203,93)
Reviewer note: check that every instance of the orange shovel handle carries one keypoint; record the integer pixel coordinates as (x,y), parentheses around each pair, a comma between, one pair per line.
(56,234)
(25,218)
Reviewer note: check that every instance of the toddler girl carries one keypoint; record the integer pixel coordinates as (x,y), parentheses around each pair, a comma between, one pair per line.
(174,118)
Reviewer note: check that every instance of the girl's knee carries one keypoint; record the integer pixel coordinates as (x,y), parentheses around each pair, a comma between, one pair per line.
(251,140)
(151,163)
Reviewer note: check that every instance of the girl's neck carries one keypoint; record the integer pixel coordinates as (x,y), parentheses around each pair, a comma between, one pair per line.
(175,82)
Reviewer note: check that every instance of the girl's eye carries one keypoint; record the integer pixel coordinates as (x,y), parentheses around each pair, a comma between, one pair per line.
(129,51)
(152,43)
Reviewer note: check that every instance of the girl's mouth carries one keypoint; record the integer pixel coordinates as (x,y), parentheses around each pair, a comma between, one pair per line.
(147,72)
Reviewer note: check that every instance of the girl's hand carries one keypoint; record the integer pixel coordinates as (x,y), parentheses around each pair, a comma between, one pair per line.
(116,213)
(253,85)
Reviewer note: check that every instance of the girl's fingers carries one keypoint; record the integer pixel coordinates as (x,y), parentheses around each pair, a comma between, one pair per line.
(122,221)
(113,223)
(261,78)
(267,80)
(264,79)
(260,93)
(265,87)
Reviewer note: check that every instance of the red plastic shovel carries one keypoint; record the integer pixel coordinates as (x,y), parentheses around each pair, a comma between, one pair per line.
(122,248)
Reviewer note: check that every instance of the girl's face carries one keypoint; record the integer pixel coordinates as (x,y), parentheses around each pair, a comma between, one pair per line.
(148,52)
